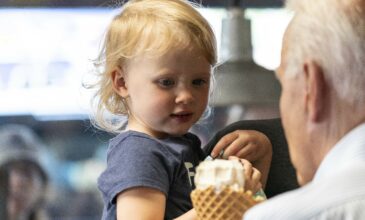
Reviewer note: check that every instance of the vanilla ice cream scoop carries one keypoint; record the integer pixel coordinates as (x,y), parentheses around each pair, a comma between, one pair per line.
(219,174)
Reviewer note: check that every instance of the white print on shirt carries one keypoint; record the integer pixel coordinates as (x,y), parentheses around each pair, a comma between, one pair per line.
(191,172)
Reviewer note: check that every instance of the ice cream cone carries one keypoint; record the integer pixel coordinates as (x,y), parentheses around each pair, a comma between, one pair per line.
(226,204)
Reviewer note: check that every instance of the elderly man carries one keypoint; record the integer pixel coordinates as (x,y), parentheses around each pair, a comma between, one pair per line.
(323,112)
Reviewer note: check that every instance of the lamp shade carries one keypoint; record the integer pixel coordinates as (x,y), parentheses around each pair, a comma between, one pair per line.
(239,80)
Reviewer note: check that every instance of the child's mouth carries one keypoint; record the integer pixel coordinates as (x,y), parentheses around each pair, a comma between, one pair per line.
(182,117)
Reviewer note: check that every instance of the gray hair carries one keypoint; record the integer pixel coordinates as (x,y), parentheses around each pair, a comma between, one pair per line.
(332,33)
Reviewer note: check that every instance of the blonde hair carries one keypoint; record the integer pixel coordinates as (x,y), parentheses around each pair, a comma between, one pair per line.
(332,32)
(146,26)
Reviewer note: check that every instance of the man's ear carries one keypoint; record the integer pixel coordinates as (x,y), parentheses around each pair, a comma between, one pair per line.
(119,82)
(316,91)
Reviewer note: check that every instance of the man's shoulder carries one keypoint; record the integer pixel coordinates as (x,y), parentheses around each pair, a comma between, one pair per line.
(342,192)
(283,206)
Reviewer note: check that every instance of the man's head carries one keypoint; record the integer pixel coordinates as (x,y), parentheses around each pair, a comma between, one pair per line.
(322,77)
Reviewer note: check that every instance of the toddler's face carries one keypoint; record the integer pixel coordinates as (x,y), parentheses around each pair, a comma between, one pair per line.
(166,94)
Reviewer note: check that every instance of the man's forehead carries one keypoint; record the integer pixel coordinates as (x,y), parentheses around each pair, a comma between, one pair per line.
(286,44)
(283,58)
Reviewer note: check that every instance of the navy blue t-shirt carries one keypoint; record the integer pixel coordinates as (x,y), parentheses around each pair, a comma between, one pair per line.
(135,159)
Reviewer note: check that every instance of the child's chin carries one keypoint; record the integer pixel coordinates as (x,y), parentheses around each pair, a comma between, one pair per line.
(178,133)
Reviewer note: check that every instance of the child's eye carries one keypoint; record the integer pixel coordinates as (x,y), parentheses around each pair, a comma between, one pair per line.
(166,82)
(199,82)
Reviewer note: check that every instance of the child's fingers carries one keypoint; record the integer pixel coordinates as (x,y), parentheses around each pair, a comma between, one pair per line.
(233,142)
(252,176)
(247,166)
(234,148)
(257,187)
(256,175)
(223,143)
(247,152)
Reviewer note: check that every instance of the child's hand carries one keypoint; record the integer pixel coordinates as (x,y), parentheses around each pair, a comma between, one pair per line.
(252,175)
(251,145)
(248,144)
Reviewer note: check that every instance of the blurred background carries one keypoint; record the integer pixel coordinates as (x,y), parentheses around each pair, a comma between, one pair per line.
(46,52)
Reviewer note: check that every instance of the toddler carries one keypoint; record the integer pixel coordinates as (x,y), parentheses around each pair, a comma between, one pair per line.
(157,59)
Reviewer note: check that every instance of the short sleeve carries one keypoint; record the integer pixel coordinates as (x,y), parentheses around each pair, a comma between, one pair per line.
(134,161)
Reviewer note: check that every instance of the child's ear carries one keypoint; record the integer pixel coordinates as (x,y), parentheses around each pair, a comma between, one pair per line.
(119,82)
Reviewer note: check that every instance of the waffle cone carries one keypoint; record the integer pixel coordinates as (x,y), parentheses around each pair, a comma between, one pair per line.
(227,204)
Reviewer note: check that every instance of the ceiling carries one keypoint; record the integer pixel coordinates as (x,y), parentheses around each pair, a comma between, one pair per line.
(111,3)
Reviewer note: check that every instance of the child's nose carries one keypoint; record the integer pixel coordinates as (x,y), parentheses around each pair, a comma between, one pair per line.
(184,96)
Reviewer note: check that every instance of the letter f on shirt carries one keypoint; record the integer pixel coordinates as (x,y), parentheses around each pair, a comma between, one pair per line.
(189,167)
